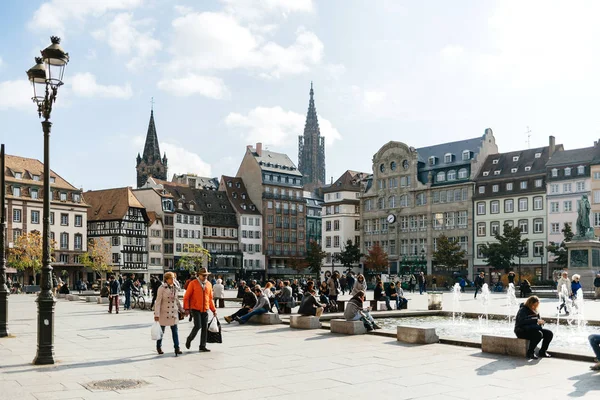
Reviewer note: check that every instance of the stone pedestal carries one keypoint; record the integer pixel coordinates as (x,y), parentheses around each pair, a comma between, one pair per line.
(584,258)
(347,327)
(417,335)
(304,322)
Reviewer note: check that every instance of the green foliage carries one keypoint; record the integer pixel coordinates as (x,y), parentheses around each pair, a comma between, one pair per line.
(449,253)
(195,259)
(314,257)
(27,252)
(508,246)
(560,250)
(98,255)
(349,255)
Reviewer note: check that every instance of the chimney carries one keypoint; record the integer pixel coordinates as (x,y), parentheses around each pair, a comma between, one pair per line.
(259,149)
(552,145)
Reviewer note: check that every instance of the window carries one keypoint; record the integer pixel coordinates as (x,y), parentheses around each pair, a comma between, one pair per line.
(596,196)
(16,191)
(421,199)
(466,155)
(523,204)
(523,185)
(538,225)
(523,225)
(568,171)
(404,200)
(328,241)
(554,188)
(538,155)
(494,227)
(567,206)
(495,161)
(486,173)
(63,196)
(555,227)
(509,186)
(16,215)
(596,175)
(480,251)
(495,207)
(78,241)
(381,203)
(336,225)
(515,158)
(34,193)
(35,217)
(514,170)
(495,188)
(538,183)
(580,170)
(52,179)
(441,177)
(538,203)
(64,241)
(481,189)
(52,218)
(115,240)
(567,188)
(78,220)
(336,241)
(538,249)
(462,173)
(509,205)
(497,172)
(481,208)
(509,223)
(451,175)
(481,229)
(327,227)
(554,207)
(554,172)
(528,168)
(580,186)
(432,160)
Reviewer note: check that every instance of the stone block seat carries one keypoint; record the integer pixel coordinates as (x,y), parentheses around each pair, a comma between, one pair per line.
(91,299)
(102,300)
(347,327)
(416,335)
(342,304)
(510,346)
(266,319)
(304,322)
(72,297)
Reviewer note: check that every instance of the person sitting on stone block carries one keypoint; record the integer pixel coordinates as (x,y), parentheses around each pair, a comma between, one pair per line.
(262,306)
(356,312)
(310,306)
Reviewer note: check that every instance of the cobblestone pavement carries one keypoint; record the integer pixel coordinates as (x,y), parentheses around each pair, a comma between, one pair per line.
(266,361)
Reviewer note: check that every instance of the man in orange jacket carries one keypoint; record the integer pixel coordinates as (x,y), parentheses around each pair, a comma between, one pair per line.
(198,299)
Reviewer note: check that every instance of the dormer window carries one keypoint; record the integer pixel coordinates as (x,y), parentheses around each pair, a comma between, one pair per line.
(441,177)
(466,155)
(538,155)
(252,207)
(229,184)
(18,175)
(486,173)
(36,178)
(180,205)
(432,160)
(52,179)
(495,161)
(497,172)
(580,170)
(567,171)
(244,196)
(208,205)
(451,176)
(554,172)
(448,158)
(243,206)
(234,195)
(223,207)
(63,196)
(191,207)
(515,158)
(16,191)
(237,185)
(514,170)
(76,197)
(528,168)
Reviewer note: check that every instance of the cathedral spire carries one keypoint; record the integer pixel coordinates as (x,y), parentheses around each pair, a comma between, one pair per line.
(311,147)
(151,149)
(150,163)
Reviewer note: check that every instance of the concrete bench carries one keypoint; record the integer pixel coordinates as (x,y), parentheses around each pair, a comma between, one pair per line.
(416,335)
(72,297)
(87,293)
(347,327)
(304,322)
(61,295)
(266,319)
(102,300)
(342,304)
(91,299)
(509,346)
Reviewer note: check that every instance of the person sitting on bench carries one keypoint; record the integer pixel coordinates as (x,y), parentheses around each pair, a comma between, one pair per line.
(402,301)
(380,295)
(262,306)
(310,306)
(248,302)
(355,311)
(392,294)
(285,300)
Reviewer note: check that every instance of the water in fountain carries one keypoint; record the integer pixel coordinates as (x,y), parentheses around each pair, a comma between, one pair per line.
(485,301)
(456,312)
(511,301)
(577,315)
(563,297)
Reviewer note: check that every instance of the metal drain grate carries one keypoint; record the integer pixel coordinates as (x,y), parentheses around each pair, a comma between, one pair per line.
(115,384)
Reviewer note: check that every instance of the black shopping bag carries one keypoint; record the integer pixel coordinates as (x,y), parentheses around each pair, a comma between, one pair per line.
(214,337)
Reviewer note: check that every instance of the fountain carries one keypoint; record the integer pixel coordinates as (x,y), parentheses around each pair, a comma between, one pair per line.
(456,312)
(577,315)
(485,301)
(563,302)
(511,302)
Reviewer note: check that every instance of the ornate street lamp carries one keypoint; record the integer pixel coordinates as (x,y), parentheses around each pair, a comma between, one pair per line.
(46,77)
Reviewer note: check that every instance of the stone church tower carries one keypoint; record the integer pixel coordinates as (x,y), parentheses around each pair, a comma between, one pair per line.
(150,163)
(311,149)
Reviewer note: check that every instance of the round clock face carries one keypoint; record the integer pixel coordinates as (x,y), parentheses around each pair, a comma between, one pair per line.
(391,218)
(393,165)
(405,164)
(382,167)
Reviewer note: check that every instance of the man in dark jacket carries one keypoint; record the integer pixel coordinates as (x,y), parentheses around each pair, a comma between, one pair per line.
(154,285)
(241,290)
(115,289)
(597,286)
(310,306)
(127,288)
(421,280)
(379,295)
(248,302)
(479,281)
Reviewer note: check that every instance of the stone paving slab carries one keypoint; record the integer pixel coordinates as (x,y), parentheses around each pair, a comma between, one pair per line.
(260,361)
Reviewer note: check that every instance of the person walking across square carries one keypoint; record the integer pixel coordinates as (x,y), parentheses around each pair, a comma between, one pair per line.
(198,299)
(113,296)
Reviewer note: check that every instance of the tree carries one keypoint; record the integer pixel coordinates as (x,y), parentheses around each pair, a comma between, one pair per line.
(98,255)
(508,246)
(297,264)
(195,260)
(560,250)
(377,259)
(349,255)
(314,257)
(27,252)
(448,253)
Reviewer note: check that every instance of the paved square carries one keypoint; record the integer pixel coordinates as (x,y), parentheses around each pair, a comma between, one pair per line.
(263,362)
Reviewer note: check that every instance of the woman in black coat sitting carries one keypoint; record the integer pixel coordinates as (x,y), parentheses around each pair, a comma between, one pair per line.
(528,325)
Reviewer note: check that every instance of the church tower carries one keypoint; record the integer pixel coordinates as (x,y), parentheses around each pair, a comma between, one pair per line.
(150,163)
(311,149)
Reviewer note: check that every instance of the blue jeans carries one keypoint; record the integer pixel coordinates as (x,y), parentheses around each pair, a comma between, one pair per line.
(254,312)
(366,314)
(174,333)
(595,343)
(127,304)
(421,288)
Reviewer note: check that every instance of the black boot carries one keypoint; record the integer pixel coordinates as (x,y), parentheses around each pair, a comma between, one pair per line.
(177,351)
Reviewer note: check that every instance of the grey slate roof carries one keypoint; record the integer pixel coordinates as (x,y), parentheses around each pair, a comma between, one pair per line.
(455,148)
(349,181)
(567,157)
(505,164)
(276,162)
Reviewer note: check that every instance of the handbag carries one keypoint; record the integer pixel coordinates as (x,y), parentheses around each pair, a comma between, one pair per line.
(214,337)
(181,315)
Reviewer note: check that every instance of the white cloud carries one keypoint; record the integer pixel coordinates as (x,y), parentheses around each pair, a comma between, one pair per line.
(1,62)
(217,41)
(276,126)
(16,95)
(190,84)
(183,161)
(253,10)
(55,14)
(85,85)
(451,52)
(373,98)
(125,38)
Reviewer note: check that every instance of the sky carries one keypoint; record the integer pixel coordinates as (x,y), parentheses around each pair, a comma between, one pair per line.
(226,73)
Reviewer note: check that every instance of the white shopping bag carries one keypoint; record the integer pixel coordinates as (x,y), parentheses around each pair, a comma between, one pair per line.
(213,326)
(156,332)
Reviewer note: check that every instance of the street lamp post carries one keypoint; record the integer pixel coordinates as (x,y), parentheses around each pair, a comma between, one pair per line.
(46,77)
(3,288)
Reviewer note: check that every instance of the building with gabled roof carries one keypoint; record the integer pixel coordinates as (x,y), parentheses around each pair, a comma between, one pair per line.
(195,181)
(117,216)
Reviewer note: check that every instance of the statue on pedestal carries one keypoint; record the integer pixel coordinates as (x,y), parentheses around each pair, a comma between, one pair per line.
(584,228)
